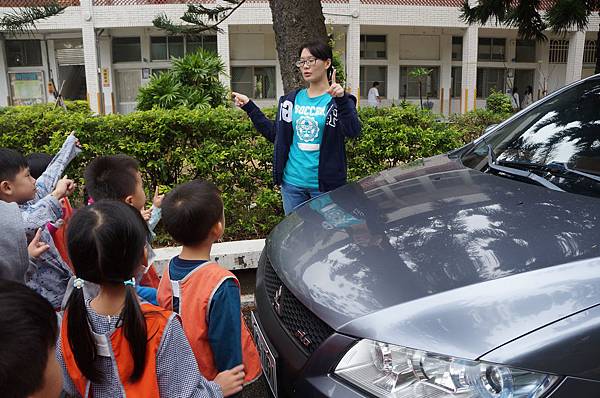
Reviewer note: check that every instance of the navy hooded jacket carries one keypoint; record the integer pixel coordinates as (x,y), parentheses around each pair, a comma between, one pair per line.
(341,121)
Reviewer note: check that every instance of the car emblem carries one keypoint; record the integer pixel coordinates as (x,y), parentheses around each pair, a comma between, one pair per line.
(302,336)
(277,300)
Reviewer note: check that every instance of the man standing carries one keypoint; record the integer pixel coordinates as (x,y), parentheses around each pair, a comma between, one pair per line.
(374,99)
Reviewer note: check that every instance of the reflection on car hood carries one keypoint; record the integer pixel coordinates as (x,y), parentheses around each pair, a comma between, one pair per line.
(384,253)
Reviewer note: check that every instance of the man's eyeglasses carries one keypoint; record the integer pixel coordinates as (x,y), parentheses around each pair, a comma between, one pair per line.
(308,62)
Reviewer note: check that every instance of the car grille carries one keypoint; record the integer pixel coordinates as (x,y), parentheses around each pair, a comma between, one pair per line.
(303,326)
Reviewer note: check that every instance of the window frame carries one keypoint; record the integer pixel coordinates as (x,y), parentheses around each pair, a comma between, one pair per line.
(367,83)
(253,82)
(114,58)
(426,94)
(24,51)
(492,44)
(364,40)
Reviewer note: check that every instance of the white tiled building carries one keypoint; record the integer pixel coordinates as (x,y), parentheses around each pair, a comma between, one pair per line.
(104,50)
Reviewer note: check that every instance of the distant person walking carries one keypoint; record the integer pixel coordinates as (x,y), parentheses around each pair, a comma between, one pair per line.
(515,100)
(374,99)
(527,97)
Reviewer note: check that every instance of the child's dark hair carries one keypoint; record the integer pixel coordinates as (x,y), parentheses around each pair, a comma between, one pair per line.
(11,163)
(190,211)
(106,245)
(29,329)
(38,163)
(111,177)
(319,50)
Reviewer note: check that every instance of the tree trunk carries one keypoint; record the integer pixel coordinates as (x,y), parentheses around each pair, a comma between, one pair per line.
(598,51)
(295,22)
(420,93)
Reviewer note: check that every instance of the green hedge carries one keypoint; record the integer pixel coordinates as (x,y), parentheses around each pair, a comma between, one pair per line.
(174,146)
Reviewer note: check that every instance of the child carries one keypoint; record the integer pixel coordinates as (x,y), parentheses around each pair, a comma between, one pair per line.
(117,177)
(112,345)
(28,327)
(211,317)
(39,204)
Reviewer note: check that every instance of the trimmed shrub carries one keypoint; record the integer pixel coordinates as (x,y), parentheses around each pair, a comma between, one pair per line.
(498,102)
(220,144)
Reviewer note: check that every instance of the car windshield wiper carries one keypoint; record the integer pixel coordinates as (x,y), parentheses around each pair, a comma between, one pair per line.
(557,168)
(491,160)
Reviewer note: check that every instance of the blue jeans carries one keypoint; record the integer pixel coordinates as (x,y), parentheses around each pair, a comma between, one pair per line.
(294,196)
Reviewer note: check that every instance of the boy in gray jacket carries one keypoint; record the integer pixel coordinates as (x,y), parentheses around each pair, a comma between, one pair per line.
(39,204)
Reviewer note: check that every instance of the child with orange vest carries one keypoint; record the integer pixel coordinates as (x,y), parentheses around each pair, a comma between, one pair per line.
(117,177)
(111,345)
(206,296)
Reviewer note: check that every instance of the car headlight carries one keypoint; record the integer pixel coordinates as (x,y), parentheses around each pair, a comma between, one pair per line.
(390,371)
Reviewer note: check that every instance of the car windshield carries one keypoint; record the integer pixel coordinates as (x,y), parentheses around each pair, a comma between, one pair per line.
(558,140)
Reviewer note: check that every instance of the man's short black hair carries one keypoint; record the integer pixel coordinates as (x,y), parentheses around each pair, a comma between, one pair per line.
(190,210)
(375,84)
(38,163)
(111,177)
(11,164)
(29,329)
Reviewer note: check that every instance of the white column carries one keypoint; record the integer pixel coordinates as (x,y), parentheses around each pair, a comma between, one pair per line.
(353,57)
(224,54)
(4,91)
(445,72)
(575,60)
(543,70)
(393,74)
(108,84)
(90,54)
(469,68)
(52,69)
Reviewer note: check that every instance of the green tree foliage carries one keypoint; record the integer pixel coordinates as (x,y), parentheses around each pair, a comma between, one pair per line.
(24,20)
(421,75)
(498,102)
(193,83)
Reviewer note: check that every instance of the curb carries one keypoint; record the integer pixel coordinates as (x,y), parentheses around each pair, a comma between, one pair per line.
(237,255)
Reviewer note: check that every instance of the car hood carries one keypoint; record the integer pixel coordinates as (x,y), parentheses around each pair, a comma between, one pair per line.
(436,256)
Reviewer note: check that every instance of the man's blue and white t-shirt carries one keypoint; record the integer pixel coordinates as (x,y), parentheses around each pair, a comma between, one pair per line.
(308,121)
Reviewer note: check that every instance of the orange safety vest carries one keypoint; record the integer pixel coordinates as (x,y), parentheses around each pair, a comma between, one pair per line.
(117,347)
(195,293)
(60,235)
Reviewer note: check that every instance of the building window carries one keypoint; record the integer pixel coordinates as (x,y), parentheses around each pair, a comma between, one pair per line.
(489,80)
(589,52)
(559,51)
(126,49)
(491,49)
(207,42)
(409,86)
(255,81)
(525,51)
(373,47)
(165,48)
(456,88)
(371,74)
(457,48)
(23,53)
